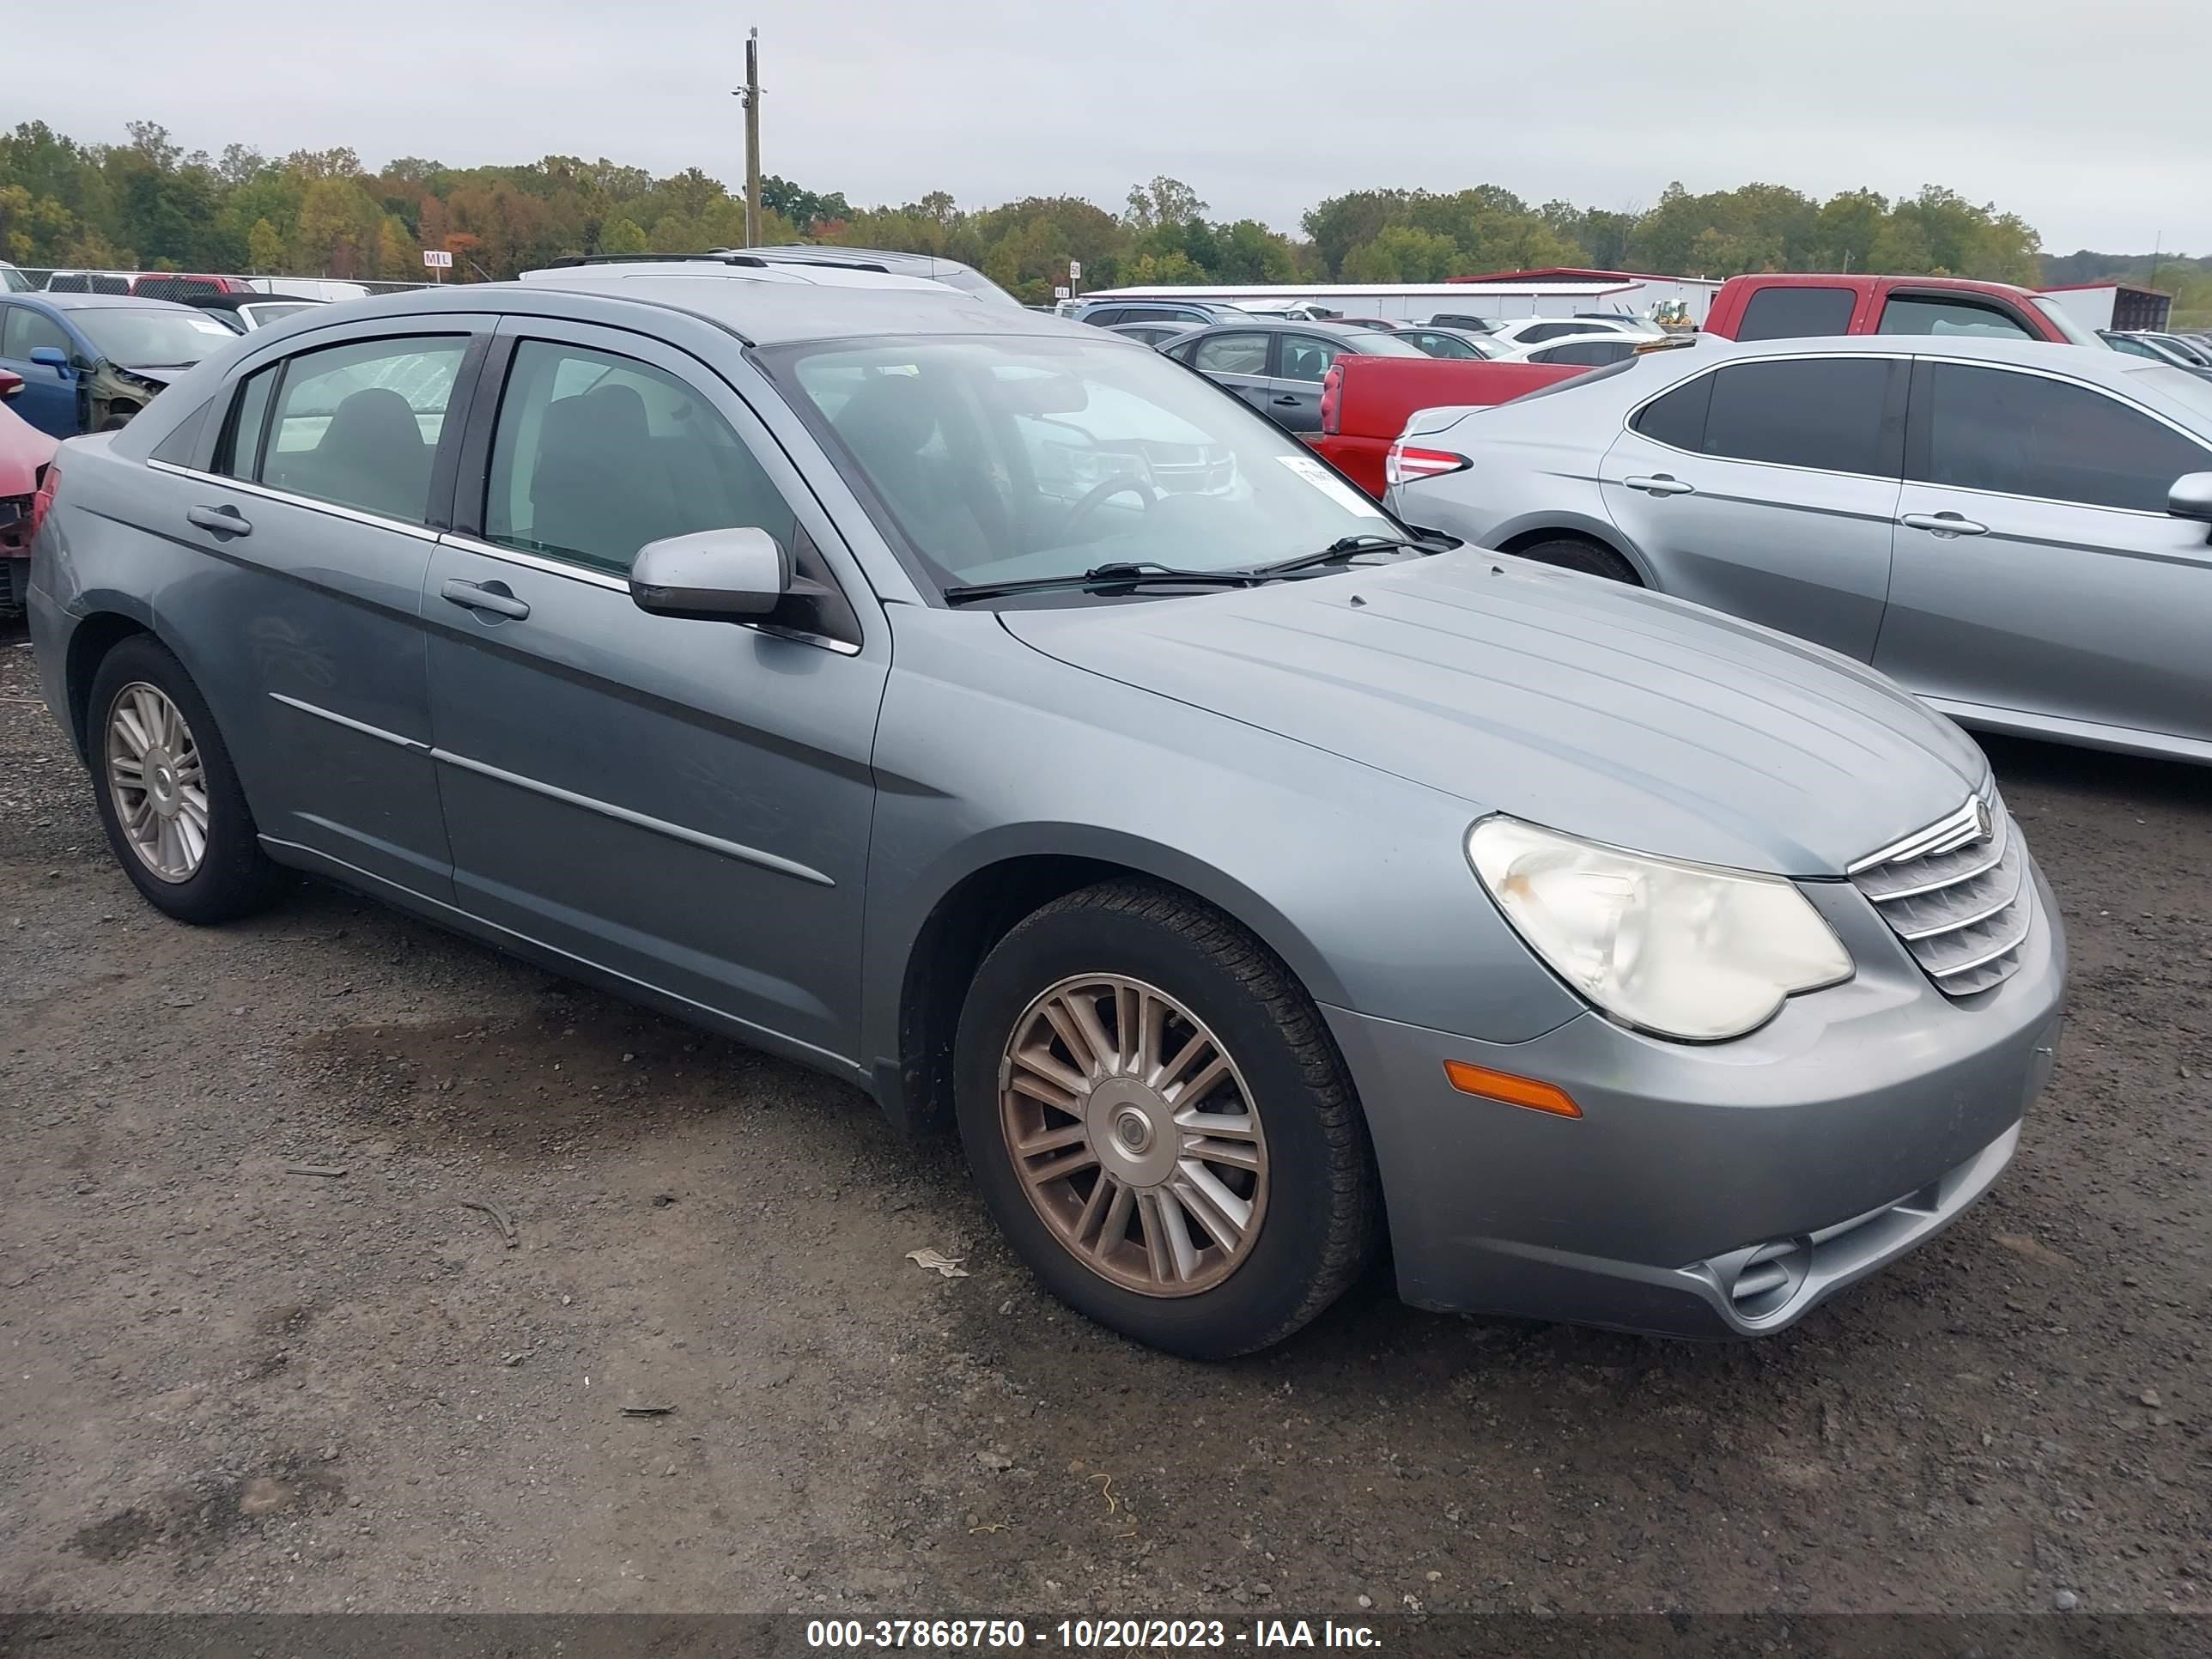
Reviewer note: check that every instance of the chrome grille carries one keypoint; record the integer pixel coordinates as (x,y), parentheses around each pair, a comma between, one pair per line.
(1956,893)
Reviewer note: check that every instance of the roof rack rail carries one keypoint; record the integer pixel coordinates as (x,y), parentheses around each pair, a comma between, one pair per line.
(809,256)
(721,255)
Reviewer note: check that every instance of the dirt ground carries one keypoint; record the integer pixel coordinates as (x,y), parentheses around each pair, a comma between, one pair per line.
(232,1385)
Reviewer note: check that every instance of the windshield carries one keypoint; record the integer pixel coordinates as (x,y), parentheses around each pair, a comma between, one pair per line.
(2072,326)
(1003,460)
(13,281)
(163,337)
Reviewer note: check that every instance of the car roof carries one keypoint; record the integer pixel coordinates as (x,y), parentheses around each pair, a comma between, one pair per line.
(64,300)
(1251,324)
(762,306)
(2118,371)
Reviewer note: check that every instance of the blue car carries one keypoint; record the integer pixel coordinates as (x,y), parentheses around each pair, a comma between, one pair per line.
(90,362)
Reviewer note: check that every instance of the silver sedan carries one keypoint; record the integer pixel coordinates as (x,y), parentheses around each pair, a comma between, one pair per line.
(2015,530)
(984,710)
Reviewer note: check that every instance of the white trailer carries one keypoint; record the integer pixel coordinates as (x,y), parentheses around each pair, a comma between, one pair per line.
(1501,298)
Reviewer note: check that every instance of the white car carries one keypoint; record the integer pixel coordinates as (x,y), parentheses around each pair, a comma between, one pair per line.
(1541,331)
(1591,348)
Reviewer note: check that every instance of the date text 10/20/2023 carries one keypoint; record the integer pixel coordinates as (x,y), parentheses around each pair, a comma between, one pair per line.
(1077,1635)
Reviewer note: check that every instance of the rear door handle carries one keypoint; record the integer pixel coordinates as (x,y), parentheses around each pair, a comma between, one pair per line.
(1944,524)
(1287,402)
(1660,484)
(487,596)
(222,520)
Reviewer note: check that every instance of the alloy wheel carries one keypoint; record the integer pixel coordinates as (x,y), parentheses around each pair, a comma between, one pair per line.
(1134,1134)
(157,782)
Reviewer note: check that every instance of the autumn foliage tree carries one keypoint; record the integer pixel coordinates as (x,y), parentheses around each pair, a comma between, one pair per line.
(145,203)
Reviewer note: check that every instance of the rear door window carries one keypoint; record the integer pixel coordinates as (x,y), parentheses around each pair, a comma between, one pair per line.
(1836,413)
(1901,315)
(358,425)
(1787,311)
(2025,435)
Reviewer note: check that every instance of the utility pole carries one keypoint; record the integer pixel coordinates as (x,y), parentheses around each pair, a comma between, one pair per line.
(750,93)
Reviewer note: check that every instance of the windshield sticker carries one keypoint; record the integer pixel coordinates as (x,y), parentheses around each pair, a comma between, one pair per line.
(1330,485)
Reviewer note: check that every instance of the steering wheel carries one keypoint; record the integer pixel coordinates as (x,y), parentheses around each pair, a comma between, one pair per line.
(1122,483)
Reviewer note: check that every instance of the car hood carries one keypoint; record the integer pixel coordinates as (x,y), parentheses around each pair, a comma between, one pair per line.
(1594,707)
(162,376)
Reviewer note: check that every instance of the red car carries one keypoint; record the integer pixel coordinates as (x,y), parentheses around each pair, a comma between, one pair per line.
(25,457)
(1775,306)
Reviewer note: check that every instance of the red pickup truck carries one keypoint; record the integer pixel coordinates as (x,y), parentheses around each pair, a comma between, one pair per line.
(1365,402)
(1772,306)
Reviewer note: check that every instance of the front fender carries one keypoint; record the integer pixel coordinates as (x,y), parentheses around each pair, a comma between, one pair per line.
(988,751)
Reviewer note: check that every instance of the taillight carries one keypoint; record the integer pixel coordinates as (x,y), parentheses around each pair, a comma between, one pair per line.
(49,481)
(1331,397)
(1404,463)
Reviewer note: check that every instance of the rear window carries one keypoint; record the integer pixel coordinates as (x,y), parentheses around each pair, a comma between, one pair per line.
(1585,352)
(1789,312)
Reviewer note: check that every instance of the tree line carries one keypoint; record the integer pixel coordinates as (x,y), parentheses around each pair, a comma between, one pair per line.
(147,204)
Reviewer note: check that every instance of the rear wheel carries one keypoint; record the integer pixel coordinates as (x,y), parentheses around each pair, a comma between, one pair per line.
(1572,553)
(168,797)
(1160,1124)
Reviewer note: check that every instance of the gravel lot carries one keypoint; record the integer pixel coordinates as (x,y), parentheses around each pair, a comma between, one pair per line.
(234,1386)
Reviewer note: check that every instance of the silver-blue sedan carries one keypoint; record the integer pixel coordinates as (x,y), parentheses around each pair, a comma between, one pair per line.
(993,714)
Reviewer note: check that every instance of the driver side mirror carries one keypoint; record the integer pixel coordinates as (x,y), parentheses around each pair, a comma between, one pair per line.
(2192,496)
(50,357)
(738,575)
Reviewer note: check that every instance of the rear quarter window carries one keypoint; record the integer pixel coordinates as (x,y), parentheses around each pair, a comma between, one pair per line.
(1790,313)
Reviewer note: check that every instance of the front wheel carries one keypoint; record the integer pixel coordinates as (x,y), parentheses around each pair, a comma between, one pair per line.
(1158,1120)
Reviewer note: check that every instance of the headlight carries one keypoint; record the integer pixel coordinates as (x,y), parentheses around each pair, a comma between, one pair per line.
(1681,949)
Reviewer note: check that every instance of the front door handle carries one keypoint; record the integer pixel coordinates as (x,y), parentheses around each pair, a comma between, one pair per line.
(486,596)
(1944,524)
(222,520)
(1287,402)
(1660,484)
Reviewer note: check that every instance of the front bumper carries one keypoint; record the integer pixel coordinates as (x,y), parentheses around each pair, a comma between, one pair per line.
(1711,1191)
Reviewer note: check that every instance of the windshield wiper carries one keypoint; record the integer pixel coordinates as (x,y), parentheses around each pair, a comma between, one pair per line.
(1344,547)
(1106,575)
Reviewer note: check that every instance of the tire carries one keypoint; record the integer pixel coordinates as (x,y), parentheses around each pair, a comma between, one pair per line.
(232,877)
(1572,553)
(118,419)
(1282,1103)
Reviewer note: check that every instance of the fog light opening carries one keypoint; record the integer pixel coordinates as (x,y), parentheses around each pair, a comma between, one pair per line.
(1770,1276)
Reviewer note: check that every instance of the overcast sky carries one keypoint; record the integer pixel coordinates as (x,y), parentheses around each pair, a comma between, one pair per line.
(2090,121)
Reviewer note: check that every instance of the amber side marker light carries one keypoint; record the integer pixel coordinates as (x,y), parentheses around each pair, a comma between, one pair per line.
(1513,1091)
